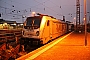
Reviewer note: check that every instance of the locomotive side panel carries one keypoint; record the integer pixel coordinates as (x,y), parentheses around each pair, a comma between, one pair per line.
(64,28)
(60,29)
(56,30)
(50,28)
(53,30)
(45,30)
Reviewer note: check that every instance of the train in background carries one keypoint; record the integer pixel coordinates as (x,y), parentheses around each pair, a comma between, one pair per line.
(43,28)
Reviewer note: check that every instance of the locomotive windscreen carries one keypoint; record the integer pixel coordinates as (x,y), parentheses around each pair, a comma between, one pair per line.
(33,21)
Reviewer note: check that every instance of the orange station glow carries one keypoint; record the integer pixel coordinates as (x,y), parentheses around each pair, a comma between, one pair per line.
(84,19)
(27,57)
(43,50)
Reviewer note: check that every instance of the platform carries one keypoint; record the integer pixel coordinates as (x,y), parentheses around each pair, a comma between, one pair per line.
(68,47)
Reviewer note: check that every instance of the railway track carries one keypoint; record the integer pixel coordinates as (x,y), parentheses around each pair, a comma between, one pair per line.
(12,46)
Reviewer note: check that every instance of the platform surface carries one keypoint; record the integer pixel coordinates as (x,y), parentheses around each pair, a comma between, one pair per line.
(68,47)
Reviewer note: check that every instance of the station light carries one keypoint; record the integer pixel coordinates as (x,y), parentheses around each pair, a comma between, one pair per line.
(21,24)
(33,13)
(13,24)
(84,19)
(4,24)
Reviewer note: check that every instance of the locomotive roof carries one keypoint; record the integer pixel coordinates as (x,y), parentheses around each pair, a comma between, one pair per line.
(34,17)
(40,16)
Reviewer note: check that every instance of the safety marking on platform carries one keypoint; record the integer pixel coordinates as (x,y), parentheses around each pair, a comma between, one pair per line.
(48,47)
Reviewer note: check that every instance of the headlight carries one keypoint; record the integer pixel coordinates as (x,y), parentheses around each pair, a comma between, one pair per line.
(37,33)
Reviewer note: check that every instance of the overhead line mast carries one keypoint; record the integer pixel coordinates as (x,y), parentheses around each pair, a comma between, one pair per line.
(77,13)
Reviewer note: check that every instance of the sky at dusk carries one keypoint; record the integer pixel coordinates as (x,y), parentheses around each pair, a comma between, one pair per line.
(14,9)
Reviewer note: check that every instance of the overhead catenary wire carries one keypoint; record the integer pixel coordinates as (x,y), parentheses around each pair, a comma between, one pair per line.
(9,9)
(30,9)
(26,5)
(11,12)
(47,7)
(57,6)
(39,4)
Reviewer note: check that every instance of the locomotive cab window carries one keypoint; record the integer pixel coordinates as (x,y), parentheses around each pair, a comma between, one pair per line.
(33,22)
(48,23)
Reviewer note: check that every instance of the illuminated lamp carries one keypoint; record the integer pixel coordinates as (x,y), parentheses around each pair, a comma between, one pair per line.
(84,19)
(33,13)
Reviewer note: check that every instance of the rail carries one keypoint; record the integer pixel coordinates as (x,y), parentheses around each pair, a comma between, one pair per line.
(10,35)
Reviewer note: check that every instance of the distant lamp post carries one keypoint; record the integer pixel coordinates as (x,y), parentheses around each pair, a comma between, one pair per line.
(84,18)
(74,20)
(85,21)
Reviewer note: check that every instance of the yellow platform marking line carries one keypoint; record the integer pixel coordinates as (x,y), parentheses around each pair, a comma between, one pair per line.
(48,47)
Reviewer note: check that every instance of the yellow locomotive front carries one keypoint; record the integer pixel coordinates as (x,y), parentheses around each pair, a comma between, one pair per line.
(32,27)
(36,29)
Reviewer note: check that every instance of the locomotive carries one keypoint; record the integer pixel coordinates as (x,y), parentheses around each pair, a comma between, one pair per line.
(43,28)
